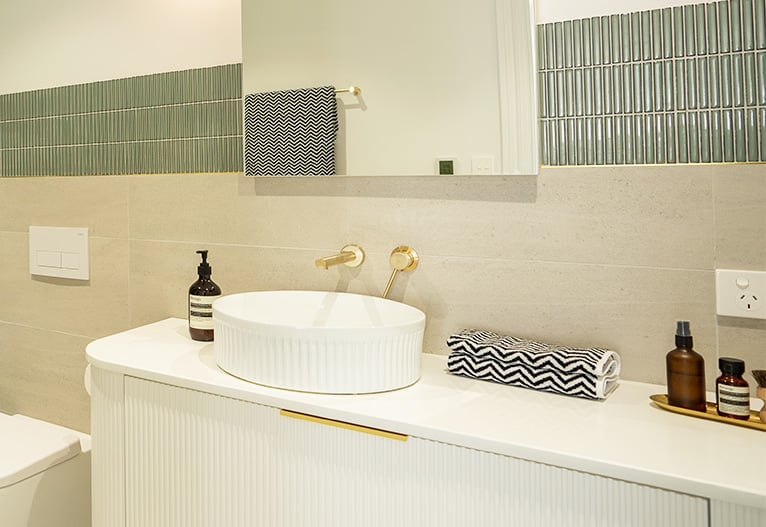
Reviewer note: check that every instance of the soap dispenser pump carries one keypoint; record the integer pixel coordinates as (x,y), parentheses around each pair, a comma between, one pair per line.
(685,372)
(202,293)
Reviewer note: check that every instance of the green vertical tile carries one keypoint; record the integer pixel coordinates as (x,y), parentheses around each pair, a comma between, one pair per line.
(727,131)
(691,84)
(683,138)
(646,35)
(670,133)
(678,31)
(680,85)
(587,48)
(541,54)
(590,141)
(760,24)
(658,86)
(635,36)
(693,135)
(560,94)
(638,86)
(544,156)
(650,153)
(569,93)
(608,90)
(690,43)
(724,42)
(599,140)
(656,32)
(609,140)
(542,96)
(749,80)
(702,85)
(762,130)
(563,143)
(740,143)
(606,41)
(558,42)
(577,43)
(716,137)
(627,88)
(761,78)
(715,82)
(735,22)
(553,142)
(596,44)
(598,91)
(660,141)
(704,133)
(616,40)
(550,47)
(748,37)
(580,141)
(588,91)
(619,140)
(625,38)
(579,94)
(617,85)
(647,87)
(751,124)
(550,88)
(567,44)
(667,32)
(701,28)
(737,80)
(571,142)
(726,81)
(639,139)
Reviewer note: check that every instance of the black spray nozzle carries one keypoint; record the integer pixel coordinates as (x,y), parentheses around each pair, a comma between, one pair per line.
(683,335)
(204,268)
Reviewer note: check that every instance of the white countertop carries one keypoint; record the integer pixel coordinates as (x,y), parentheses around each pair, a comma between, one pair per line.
(625,437)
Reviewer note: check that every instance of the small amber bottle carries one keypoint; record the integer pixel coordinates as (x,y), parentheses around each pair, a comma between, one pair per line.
(202,294)
(685,372)
(732,393)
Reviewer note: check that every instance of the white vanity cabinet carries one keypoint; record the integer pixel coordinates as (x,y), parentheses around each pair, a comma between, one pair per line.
(219,452)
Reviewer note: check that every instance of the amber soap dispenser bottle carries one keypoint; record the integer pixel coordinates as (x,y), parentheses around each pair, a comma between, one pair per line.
(202,293)
(686,372)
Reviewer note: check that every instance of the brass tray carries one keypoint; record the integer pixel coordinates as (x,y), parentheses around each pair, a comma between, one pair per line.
(754,422)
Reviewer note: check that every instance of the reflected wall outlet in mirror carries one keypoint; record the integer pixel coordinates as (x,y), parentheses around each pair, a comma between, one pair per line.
(482,165)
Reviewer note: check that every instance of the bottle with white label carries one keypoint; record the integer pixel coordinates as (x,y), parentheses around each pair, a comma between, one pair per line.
(202,293)
(731,390)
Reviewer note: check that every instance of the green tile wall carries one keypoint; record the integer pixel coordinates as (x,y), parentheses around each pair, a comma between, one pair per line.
(681,84)
(175,122)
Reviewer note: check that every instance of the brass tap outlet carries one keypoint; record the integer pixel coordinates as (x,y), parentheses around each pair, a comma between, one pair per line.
(350,256)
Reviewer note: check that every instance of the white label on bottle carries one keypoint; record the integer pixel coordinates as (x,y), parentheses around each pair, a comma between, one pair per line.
(201,311)
(734,400)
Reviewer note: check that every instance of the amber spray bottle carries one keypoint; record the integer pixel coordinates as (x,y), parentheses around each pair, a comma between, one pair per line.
(686,372)
(202,293)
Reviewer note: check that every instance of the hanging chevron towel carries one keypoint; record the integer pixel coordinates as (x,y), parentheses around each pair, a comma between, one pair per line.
(291,132)
(591,373)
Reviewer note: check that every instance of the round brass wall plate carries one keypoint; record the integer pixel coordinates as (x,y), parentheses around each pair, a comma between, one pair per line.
(404,258)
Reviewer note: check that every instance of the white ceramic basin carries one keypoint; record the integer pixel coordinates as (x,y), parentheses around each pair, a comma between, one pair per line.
(316,341)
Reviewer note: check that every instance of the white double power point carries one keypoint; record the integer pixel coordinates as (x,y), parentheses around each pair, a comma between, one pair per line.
(740,293)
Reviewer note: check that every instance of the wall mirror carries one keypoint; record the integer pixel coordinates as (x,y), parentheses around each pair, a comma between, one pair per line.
(443,82)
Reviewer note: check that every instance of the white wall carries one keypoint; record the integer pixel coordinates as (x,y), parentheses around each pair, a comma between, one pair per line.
(556,10)
(47,43)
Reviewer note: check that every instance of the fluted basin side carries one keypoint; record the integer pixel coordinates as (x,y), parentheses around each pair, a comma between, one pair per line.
(315,341)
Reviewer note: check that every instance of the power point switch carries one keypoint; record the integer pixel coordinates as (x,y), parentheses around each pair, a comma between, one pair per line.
(740,293)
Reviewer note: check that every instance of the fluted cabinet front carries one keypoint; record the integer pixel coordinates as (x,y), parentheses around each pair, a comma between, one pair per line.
(194,459)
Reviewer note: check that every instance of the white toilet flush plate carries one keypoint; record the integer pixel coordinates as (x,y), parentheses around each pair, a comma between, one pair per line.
(59,251)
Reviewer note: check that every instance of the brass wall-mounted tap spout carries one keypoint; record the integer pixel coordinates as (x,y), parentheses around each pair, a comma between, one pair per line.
(351,256)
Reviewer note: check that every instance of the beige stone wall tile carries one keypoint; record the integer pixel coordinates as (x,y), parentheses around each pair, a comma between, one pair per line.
(43,375)
(91,308)
(740,216)
(98,203)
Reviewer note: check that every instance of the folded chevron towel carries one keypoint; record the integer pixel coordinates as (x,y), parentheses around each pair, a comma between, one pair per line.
(591,373)
(291,132)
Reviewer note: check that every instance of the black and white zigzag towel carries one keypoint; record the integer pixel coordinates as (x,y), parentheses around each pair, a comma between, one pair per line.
(291,132)
(591,373)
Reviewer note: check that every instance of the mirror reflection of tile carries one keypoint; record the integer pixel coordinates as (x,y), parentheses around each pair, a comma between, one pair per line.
(681,84)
